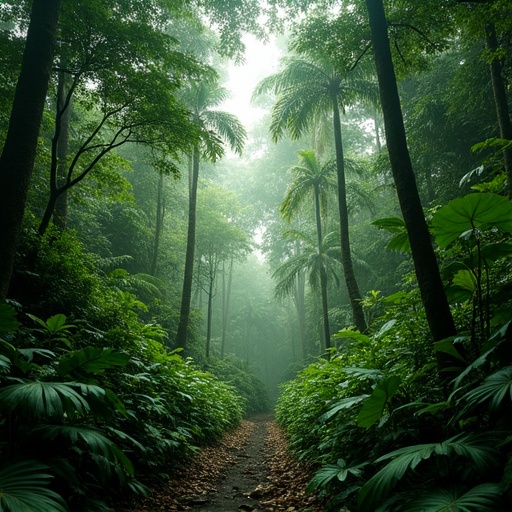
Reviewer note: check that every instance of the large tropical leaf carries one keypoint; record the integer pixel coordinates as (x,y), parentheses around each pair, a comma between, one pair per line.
(482,498)
(43,399)
(494,389)
(471,212)
(374,405)
(24,487)
(91,360)
(95,440)
(479,449)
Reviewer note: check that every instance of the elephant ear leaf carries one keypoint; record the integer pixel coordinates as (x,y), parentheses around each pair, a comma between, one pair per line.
(467,213)
(91,360)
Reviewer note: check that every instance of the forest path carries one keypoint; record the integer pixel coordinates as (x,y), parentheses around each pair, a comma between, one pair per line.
(249,470)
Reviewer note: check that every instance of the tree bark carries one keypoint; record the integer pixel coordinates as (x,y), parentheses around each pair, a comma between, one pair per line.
(434,299)
(346,257)
(60,213)
(226,295)
(500,101)
(181,336)
(19,151)
(159,222)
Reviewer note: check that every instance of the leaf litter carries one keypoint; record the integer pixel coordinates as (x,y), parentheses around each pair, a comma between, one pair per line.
(250,469)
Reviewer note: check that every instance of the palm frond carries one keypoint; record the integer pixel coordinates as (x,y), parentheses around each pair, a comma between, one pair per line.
(38,399)
(24,486)
(479,449)
(94,439)
(482,498)
(494,389)
(227,127)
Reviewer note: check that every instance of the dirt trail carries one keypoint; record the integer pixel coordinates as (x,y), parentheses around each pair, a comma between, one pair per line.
(249,470)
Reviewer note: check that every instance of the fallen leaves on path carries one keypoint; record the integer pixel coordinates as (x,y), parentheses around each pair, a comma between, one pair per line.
(282,489)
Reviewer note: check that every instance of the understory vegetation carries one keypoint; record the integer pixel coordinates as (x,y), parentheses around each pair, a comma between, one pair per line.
(393,422)
(94,403)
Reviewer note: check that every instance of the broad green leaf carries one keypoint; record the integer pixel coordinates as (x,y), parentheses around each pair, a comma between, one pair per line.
(399,243)
(24,487)
(391,224)
(373,406)
(354,335)
(446,346)
(466,280)
(43,399)
(91,360)
(495,389)
(479,449)
(8,322)
(344,403)
(482,498)
(467,213)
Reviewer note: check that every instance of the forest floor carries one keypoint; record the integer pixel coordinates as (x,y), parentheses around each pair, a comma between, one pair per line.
(249,469)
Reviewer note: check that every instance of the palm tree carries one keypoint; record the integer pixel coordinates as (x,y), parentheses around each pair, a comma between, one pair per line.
(215,127)
(311,179)
(306,91)
(318,261)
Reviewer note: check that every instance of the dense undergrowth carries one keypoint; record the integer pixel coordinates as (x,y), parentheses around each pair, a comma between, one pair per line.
(93,403)
(397,423)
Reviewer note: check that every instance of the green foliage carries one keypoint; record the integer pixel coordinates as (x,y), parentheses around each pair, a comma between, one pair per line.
(24,486)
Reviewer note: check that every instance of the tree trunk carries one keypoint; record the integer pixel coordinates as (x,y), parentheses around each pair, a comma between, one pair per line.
(159,222)
(181,336)
(19,151)
(226,295)
(60,212)
(300,305)
(436,305)
(346,257)
(209,316)
(500,101)
(325,308)
(323,273)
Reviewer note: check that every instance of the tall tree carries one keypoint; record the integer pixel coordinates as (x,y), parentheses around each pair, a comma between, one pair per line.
(436,305)
(312,179)
(129,99)
(306,90)
(19,151)
(215,128)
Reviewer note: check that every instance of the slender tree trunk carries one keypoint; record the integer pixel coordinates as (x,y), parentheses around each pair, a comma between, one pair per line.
(209,317)
(376,124)
(226,295)
(19,151)
(325,308)
(346,257)
(300,306)
(159,222)
(60,214)
(500,101)
(436,305)
(181,336)
(323,273)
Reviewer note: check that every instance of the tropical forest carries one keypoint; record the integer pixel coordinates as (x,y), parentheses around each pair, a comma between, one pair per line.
(255,255)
